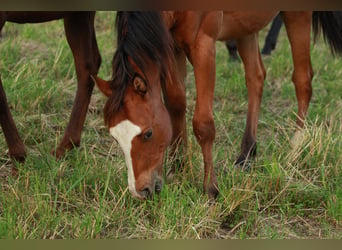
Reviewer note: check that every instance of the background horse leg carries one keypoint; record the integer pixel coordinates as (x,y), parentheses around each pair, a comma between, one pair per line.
(80,33)
(16,147)
(2,20)
(202,57)
(298,27)
(232,50)
(254,75)
(175,102)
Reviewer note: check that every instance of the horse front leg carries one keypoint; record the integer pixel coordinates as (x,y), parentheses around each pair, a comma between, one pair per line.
(80,33)
(202,57)
(175,102)
(254,76)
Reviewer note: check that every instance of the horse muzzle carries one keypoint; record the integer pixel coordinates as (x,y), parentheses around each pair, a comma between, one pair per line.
(147,191)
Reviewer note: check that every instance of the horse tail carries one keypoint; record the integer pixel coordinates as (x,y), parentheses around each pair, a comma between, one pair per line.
(330,22)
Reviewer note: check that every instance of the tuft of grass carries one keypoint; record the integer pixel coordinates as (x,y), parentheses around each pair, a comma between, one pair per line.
(294,188)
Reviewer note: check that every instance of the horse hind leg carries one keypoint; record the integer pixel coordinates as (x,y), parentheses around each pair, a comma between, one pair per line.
(254,75)
(80,33)
(298,27)
(16,147)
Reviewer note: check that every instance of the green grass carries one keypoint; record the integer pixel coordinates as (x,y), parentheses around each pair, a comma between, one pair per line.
(291,192)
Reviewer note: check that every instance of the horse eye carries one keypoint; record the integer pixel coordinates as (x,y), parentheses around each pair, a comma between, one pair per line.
(148,134)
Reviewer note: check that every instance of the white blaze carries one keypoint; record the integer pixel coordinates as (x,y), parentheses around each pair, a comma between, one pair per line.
(124,133)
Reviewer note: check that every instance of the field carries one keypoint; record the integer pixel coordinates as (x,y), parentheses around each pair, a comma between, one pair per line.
(289,193)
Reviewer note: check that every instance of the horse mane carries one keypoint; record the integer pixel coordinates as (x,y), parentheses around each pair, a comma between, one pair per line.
(144,38)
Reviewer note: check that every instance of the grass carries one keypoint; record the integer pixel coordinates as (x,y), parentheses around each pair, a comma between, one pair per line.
(291,192)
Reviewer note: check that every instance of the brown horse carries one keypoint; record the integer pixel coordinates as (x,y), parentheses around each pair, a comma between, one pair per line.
(80,34)
(147,89)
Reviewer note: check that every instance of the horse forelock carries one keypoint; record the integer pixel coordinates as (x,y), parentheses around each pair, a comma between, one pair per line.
(143,38)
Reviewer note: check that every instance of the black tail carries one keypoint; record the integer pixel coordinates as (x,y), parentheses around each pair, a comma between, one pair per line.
(330,22)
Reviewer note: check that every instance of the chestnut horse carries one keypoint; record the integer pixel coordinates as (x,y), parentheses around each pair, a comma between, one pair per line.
(80,34)
(145,110)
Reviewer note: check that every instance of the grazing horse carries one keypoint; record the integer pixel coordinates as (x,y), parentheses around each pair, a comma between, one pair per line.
(80,34)
(145,110)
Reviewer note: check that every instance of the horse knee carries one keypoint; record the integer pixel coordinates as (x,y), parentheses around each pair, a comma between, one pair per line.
(204,129)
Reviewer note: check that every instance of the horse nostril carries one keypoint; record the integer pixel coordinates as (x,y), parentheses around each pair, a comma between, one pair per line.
(158,187)
(146,193)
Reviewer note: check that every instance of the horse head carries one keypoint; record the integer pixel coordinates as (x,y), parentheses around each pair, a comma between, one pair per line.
(134,112)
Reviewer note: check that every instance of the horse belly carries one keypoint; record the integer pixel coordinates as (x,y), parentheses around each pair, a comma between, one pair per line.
(237,24)
(33,16)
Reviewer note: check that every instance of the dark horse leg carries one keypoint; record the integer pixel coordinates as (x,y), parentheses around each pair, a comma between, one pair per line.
(79,30)
(16,147)
(254,75)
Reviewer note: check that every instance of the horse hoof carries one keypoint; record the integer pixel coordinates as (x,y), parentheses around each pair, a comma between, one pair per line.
(244,161)
(59,152)
(14,171)
(243,164)
(213,193)
(19,158)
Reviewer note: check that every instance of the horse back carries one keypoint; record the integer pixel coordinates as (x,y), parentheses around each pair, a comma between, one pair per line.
(237,24)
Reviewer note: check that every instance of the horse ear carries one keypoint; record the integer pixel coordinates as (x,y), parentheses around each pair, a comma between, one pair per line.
(103,85)
(139,85)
